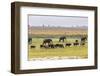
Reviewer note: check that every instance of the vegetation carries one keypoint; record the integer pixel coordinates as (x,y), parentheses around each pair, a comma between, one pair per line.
(38,34)
(72,51)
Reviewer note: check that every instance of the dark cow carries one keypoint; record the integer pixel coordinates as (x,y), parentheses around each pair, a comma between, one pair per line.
(47,41)
(52,46)
(59,45)
(44,46)
(68,44)
(32,46)
(41,46)
(47,46)
(62,38)
(30,40)
(82,43)
(76,43)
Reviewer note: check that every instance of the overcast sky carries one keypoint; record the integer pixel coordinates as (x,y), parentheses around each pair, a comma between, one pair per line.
(64,21)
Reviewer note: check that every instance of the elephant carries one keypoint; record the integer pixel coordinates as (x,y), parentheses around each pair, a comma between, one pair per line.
(62,38)
(47,41)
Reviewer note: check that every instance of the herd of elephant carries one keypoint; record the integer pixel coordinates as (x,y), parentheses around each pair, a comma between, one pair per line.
(48,43)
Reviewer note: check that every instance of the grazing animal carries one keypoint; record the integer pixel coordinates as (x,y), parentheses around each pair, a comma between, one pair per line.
(76,44)
(76,40)
(82,43)
(52,46)
(83,39)
(62,38)
(47,41)
(41,46)
(59,45)
(30,40)
(44,46)
(68,44)
(47,46)
(32,46)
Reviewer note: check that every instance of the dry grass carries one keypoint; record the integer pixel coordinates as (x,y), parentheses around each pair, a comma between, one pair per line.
(58,31)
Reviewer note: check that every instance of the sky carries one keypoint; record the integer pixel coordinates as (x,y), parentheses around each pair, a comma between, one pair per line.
(61,21)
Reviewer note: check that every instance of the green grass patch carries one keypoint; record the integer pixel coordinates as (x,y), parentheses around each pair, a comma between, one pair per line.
(80,51)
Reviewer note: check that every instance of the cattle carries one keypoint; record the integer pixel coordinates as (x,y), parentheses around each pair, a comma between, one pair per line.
(68,44)
(62,38)
(44,46)
(32,46)
(52,46)
(41,46)
(59,45)
(47,46)
(82,43)
(76,43)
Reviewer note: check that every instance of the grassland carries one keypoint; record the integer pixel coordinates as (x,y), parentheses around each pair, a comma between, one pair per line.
(38,34)
(70,52)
